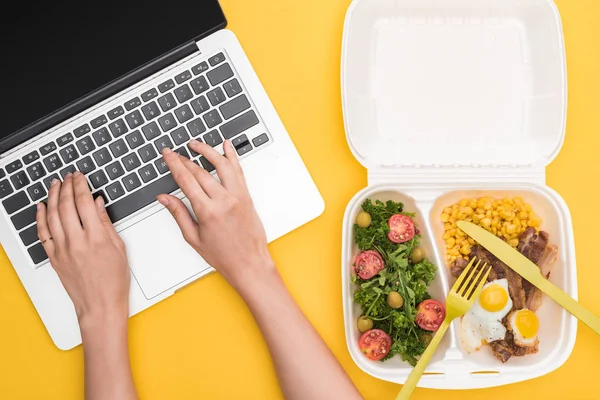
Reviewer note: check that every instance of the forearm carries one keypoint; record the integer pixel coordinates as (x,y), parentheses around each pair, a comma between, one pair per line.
(305,366)
(106,358)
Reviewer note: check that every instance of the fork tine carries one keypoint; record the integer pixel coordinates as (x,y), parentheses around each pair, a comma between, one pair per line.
(483,281)
(462,276)
(478,281)
(464,288)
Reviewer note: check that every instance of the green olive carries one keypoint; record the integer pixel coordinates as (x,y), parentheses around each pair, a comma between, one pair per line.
(363,219)
(426,338)
(417,255)
(364,324)
(394,300)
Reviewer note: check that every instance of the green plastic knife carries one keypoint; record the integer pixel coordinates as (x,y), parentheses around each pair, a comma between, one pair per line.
(528,270)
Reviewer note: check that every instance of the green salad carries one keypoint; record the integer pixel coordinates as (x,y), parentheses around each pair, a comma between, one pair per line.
(393,274)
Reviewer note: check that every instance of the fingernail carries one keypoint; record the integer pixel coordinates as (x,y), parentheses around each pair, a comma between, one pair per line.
(163,200)
(194,141)
(100,201)
(39,206)
(166,150)
(68,175)
(76,174)
(54,182)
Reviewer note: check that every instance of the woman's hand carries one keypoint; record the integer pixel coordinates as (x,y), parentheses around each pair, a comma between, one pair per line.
(85,250)
(228,234)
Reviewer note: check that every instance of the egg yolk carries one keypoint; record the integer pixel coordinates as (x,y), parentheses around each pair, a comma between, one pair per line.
(493,298)
(527,323)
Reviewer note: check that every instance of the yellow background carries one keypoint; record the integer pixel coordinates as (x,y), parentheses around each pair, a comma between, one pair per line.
(203,342)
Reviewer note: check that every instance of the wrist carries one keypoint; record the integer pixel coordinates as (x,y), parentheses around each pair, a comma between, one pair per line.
(255,272)
(109,321)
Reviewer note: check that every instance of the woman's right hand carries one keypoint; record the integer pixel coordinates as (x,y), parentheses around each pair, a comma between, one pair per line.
(228,233)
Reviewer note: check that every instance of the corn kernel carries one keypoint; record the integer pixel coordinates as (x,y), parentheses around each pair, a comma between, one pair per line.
(455,213)
(503,230)
(446,236)
(454,252)
(460,216)
(447,226)
(452,232)
(477,218)
(455,206)
(473,203)
(486,222)
(523,215)
(487,206)
(445,217)
(465,250)
(511,229)
(453,258)
(460,233)
(494,230)
(463,203)
(516,222)
(519,201)
(471,241)
(495,213)
(459,241)
(496,222)
(447,210)
(450,242)
(527,208)
(466,210)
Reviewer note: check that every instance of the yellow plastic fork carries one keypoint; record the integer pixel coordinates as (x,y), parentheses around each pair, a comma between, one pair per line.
(459,301)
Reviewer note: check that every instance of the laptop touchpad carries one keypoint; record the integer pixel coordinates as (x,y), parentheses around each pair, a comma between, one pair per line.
(159,257)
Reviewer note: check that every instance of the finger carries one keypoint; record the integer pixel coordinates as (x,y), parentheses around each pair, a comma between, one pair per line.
(189,227)
(85,203)
(208,183)
(232,156)
(52,216)
(43,231)
(67,209)
(222,165)
(185,179)
(106,223)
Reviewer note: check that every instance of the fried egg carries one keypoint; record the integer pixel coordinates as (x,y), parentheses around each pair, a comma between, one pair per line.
(483,322)
(524,325)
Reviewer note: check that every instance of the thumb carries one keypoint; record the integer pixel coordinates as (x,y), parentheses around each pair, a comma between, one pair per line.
(182,216)
(106,222)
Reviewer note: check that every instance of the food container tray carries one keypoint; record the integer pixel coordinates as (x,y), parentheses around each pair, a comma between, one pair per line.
(445,100)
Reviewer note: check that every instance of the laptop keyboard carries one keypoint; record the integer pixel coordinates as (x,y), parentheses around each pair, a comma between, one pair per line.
(119,151)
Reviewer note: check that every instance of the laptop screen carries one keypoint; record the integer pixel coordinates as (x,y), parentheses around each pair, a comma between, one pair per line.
(56,52)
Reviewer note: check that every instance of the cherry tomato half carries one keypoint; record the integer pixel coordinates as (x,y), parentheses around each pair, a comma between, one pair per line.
(402,228)
(430,315)
(368,264)
(375,344)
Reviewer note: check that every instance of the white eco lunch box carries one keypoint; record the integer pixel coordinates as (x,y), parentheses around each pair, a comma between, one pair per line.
(448,99)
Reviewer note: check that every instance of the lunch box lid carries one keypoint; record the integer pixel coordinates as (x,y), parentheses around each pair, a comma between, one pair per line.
(470,84)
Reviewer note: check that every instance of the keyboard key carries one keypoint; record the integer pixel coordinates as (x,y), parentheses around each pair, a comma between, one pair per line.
(102,136)
(13,166)
(151,111)
(85,145)
(183,152)
(36,192)
(200,85)
(68,170)
(98,179)
(219,74)
(167,102)
(206,164)
(239,124)
(260,140)
(19,180)
(115,170)
(2,173)
(161,166)
(232,88)
(182,77)
(131,161)
(147,173)
(216,96)
(69,153)
(180,136)
(135,139)
(29,235)
(167,122)
(118,128)
(15,202)
(212,118)
(183,93)
(141,198)
(133,103)
(235,106)
(183,113)
(115,190)
(163,142)
(31,157)
(100,193)
(119,147)
(151,131)
(241,144)
(64,139)
(48,180)
(102,157)
(99,121)
(116,112)
(150,94)
(36,171)
(166,86)
(86,165)
(24,218)
(216,59)
(147,153)
(244,149)
(196,127)
(47,148)
(82,130)
(213,138)
(37,253)
(131,182)
(200,105)
(134,119)
(5,188)
(200,68)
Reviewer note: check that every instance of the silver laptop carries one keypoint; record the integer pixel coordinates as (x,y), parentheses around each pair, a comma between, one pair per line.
(102,89)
